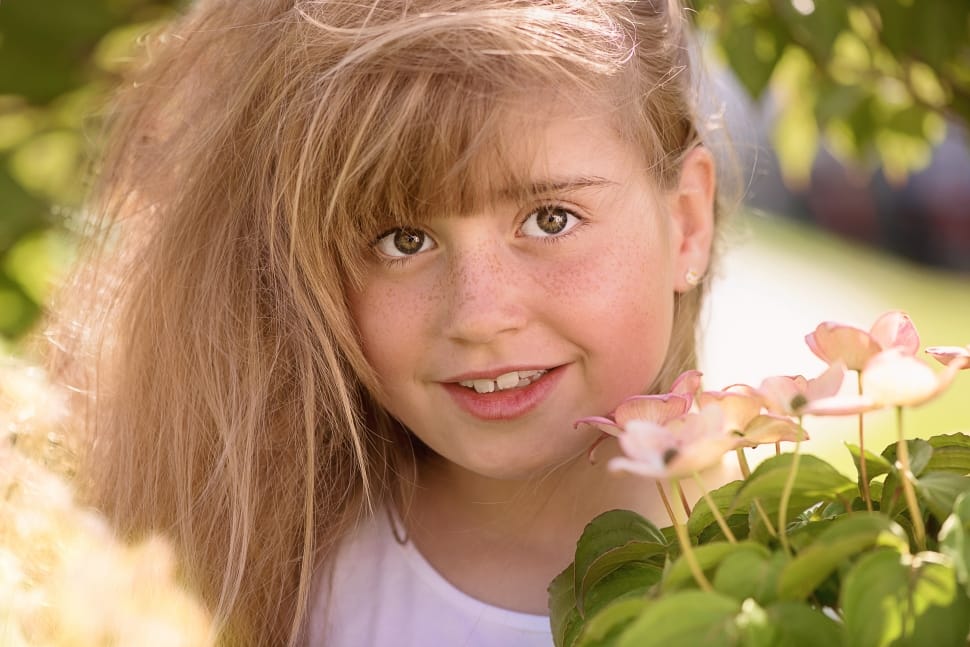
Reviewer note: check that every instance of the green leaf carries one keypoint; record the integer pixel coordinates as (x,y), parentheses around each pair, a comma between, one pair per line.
(939,491)
(798,625)
(875,465)
(629,579)
(920,453)
(685,618)
(951,453)
(708,556)
(955,539)
(611,539)
(563,616)
(750,574)
(701,516)
(843,539)
(605,627)
(816,481)
(904,601)
(752,54)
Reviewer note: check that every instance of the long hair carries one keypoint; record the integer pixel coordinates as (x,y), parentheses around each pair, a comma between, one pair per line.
(251,158)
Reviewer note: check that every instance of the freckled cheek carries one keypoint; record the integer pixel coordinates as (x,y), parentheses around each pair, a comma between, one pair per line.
(391,319)
(618,307)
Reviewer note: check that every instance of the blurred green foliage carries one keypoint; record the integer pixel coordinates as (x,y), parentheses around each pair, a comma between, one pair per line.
(57,59)
(874,79)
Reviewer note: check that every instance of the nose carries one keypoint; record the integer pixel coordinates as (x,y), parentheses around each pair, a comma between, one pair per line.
(486,294)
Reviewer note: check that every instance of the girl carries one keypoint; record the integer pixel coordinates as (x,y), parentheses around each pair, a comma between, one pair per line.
(358,269)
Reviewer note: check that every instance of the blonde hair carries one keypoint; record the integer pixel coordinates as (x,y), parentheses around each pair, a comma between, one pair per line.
(252,157)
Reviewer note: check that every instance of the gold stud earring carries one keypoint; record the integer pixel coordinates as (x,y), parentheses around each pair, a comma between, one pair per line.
(693,278)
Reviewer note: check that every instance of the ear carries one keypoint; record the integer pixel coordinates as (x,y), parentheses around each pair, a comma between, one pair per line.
(691,209)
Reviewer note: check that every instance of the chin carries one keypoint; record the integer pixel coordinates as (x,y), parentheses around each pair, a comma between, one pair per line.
(525,468)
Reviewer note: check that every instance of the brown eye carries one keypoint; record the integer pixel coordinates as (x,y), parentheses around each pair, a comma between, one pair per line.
(403,242)
(549,220)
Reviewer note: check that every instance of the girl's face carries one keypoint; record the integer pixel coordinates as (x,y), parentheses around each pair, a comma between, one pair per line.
(494,331)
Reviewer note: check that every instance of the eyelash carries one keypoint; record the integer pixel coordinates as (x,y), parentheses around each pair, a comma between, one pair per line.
(397,261)
(559,237)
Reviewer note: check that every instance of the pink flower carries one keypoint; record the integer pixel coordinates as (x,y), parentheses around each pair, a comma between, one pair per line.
(892,378)
(739,403)
(789,395)
(854,347)
(649,408)
(947,354)
(684,446)
(741,407)
(658,409)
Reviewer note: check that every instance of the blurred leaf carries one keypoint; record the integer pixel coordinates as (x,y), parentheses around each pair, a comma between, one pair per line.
(38,260)
(902,600)
(685,618)
(955,539)
(750,574)
(939,490)
(43,43)
(604,628)
(48,165)
(798,625)
(842,540)
(709,556)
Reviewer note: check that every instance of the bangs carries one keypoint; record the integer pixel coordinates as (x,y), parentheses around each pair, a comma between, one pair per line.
(414,125)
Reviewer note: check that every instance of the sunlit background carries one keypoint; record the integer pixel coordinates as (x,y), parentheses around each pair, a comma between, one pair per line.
(848,127)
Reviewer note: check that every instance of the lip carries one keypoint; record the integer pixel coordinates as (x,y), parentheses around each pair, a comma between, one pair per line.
(502,405)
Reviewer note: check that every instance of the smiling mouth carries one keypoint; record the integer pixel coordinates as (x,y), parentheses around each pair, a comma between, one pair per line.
(504,382)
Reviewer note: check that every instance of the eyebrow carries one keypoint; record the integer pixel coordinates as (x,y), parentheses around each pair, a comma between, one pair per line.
(551,186)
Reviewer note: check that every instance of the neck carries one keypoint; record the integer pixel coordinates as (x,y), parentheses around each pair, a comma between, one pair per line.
(522,532)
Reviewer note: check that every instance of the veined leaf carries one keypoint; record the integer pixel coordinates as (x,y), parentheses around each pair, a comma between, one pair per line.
(904,601)
(843,539)
(610,540)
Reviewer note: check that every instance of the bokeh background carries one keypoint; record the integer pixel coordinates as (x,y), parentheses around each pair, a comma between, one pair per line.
(847,128)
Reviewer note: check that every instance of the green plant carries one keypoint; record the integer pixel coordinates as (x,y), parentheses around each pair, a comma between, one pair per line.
(795,553)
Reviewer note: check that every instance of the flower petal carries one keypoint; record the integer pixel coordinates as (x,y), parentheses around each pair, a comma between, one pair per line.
(651,408)
(781,393)
(654,470)
(895,378)
(687,383)
(767,429)
(605,425)
(646,441)
(737,408)
(834,341)
(841,405)
(947,354)
(895,329)
(827,384)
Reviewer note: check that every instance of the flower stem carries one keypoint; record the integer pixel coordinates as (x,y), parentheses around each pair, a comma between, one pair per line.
(721,522)
(765,519)
(685,546)
(777,448)
(786,497)
(746,472)
(906,476)
(683,499)
(743,462)
(863,470)
(663,497)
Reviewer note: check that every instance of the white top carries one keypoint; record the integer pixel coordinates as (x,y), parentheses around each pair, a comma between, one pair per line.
(384,593)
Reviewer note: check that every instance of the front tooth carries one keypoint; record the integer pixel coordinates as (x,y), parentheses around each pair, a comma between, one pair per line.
(508,380)
(483,386)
